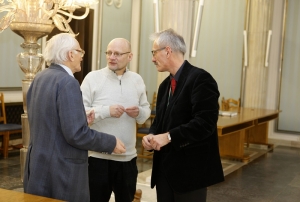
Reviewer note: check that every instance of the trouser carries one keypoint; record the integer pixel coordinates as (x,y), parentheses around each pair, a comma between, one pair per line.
(107,176)
(165,193)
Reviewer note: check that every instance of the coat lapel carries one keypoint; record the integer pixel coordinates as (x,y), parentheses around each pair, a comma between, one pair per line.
(179,87)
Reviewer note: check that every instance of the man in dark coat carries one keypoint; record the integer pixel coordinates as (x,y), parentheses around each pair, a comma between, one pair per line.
(184,132)
(57,159)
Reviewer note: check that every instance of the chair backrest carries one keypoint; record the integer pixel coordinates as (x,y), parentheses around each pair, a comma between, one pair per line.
(231,104)
(2,109)
(153,104)
(153,107)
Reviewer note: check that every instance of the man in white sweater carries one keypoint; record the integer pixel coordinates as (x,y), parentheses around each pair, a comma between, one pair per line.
(118,97)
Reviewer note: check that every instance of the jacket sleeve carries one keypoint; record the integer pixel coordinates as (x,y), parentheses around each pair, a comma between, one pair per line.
(74,123)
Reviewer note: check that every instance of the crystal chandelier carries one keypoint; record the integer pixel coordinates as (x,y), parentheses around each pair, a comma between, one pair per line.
(33,19)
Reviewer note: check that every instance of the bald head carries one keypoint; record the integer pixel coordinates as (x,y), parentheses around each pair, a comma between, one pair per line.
(122,43)
(118,55)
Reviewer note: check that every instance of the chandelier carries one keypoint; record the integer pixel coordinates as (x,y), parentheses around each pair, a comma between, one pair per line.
(33,19)
(43,12)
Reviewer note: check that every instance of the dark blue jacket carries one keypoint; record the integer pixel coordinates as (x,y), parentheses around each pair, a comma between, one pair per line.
(57,158)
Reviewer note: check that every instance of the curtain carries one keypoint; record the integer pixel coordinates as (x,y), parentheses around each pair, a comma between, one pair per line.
(178,15)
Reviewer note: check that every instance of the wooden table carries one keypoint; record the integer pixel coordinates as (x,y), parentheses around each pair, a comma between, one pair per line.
(9,196)
(249,126)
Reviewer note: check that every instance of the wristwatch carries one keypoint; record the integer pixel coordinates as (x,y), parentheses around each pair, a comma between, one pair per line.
(169,137)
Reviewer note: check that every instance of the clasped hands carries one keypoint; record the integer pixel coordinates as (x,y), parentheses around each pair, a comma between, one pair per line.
(117,111)
(155,142)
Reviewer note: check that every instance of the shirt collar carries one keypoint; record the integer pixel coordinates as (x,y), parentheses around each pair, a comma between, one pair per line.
(177,75)
(67,69)
(126,69)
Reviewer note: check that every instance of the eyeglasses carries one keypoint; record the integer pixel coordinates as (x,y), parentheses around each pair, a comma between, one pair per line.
(82,52)
(116,54)
(154,51)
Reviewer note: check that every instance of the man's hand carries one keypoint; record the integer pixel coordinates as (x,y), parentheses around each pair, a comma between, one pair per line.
(146,142)
(90,116)
(116,110)
(120,147)
(132,111)
(160,140)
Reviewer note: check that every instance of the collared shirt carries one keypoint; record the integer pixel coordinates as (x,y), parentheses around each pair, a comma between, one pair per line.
(177,75)
(67,69)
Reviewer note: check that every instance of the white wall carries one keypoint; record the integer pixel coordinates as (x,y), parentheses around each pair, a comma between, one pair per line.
(10,73)
(274,77)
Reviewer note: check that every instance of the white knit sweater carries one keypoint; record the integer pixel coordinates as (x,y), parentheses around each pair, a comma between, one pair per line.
(102,88)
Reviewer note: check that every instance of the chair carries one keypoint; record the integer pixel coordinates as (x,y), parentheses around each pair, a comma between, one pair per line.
(6,129)
(153,107)
(137,195)
(234,105)
(231,104)
(143,129)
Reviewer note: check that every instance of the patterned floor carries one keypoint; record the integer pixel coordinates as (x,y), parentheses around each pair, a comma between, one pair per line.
(229,166)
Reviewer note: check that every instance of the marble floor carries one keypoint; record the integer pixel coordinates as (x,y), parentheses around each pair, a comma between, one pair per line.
(273,176)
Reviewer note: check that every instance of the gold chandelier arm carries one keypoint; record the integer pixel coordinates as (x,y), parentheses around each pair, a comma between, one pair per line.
(52,12)
(70,18)
(8,7)
(62,24)
(8,18)
(87,10)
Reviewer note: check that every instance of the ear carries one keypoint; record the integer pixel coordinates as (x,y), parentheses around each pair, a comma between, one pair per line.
(130,56)
(70,56)
(168,50)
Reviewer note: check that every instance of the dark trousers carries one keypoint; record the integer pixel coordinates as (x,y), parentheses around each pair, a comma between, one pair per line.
(107,176)
(165,193)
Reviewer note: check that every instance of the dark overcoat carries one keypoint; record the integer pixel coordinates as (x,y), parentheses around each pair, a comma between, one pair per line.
(57,159)
(191,160)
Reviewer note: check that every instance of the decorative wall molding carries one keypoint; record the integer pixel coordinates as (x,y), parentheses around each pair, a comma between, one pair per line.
(109,2)
(117,3)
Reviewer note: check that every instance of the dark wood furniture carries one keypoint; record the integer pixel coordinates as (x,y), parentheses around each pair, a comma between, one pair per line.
(249,126)
(9,196)
(6,129)
(231,104)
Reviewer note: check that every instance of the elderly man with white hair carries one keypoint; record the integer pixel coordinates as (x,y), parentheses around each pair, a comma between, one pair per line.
(57,159)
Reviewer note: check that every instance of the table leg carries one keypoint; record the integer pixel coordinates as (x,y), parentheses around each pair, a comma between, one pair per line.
(232,146)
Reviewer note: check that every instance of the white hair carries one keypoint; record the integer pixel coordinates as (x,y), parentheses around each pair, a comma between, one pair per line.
(57,48)
(170,38)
